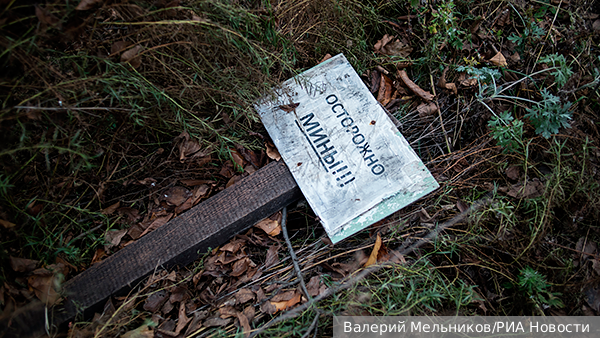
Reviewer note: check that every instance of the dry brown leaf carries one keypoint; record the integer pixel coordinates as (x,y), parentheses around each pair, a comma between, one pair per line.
(272,256)
(233,246)
(325,58)
(98,255)
(244,323)
(513,172)
(313,286)
(22,264)
(111,209)
(45,17)
(156,300)
(272,152)
(596,25)
(189,148)
(427,109)
(157,223)
(236,157)
(373,257)
(216,321)
(293,301)
(183,319)
(119,46)
(249,312)
(175,196)
(84,5)
(227,312)
(271,227)
(425,95)
(530,189)
(233,180)
(389,45)
(385,90)
(43,286)
(240,266)
(141,332)
(268,307)
(112,238)
(244,295)
(132,56)
(6,224)
(499,60)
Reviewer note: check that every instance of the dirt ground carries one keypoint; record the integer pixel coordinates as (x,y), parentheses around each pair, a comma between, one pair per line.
(118,116)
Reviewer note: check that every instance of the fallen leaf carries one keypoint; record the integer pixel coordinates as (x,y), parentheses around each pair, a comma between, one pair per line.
(189,148)
(244,295)
(227,311)
(313,286)
(141,332)
(425,95)
(131,213)
(289,107)
(283,305)
(272,152)
(98,255)
(373,257)
(388,46)
(240,266)
(84,5)
(180,293)
(244,323)
(233,180)
(325,58)
(427,109)
(183,319)
(499,60)
(176,195)
(268,307)
(45,17)
(157,223)
(131,56)
(7,224)
(216,321)
(233,246)
(22,264)
(112,238)
(596,25)
(43,286)
(385,90)
(119,46)
(111,209)
(272,256)
(271,227)
(249,312)
(530,189)
(236,157)
(513,172)
(443,84)
(155,301)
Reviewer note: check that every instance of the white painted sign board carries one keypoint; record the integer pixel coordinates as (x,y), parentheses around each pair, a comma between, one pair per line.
(349,160)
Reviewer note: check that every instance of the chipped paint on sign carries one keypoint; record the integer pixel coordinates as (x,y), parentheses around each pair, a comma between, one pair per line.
(351,163)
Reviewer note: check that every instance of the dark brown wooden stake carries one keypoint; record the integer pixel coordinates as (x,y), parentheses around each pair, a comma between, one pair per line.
(179,242)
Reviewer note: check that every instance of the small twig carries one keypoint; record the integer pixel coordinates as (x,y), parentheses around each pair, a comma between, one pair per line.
(292,253)
(352,280)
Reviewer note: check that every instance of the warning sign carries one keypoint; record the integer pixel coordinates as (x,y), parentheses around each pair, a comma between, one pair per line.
(351,163)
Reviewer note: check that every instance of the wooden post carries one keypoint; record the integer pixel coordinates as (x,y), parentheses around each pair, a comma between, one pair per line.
(179,242)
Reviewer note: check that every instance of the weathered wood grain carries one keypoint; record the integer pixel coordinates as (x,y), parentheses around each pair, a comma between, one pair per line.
(180,241)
